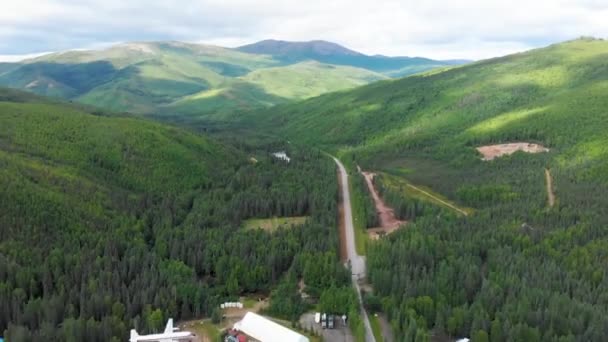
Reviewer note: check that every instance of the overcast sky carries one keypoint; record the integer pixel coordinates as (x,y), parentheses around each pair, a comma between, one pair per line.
(442,29)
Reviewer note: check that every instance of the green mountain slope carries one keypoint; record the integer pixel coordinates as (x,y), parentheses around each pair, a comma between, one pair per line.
(267,87)
(331,53)
(221,103)
(4,67)
(516,266)
(129,150)
(109,223)
(170,78)
(308,79)
(134,77)
(518,94)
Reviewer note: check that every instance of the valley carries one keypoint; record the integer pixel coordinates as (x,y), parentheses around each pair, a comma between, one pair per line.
(477,229)
(154,180)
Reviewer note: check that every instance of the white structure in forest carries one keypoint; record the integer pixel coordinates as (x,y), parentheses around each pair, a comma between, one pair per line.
(282,156)
(227,305)
(265,330)
(170,334)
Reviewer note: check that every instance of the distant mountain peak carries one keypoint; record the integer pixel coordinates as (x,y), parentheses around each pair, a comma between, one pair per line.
(283,47)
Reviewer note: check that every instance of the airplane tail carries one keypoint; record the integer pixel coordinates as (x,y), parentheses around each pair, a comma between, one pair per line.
(169,328)
(134,336)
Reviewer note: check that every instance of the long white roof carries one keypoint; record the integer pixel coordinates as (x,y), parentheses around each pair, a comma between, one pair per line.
(265,330)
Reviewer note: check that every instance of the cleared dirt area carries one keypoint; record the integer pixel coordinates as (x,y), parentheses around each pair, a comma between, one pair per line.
(386,215)
(490,152)
(550,193)
(206,331)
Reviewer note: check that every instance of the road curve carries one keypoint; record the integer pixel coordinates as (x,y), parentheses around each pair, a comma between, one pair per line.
(357,262)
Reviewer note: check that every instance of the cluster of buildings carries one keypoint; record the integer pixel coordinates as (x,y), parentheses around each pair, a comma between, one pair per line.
(252,328)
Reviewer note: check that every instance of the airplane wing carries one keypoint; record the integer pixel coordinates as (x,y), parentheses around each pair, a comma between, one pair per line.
(169,335)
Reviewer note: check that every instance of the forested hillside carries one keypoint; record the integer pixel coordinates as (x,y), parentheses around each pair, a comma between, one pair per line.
(109,223)
(174,79)
(516,268)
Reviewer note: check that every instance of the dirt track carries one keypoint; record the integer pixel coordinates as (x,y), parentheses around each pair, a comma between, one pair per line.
(437,199)
(386,214)
(550,193)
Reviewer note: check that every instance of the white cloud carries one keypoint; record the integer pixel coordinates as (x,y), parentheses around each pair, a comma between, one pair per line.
(19,58)
(432,28)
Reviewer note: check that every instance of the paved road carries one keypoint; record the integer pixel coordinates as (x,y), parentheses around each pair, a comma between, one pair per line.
(357,262)
(341,332)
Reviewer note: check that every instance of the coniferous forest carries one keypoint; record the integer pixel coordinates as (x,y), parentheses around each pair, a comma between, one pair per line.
(110,221)
(98,238)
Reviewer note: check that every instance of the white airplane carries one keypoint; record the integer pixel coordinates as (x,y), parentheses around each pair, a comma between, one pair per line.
(170,334)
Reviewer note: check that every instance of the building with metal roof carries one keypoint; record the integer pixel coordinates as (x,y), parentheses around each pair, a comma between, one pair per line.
(264,330)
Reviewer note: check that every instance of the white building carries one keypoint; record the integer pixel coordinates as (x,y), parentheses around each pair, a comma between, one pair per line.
(265,330)
(282,156)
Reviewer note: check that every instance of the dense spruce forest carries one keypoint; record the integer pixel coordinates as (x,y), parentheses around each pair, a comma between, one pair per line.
(515,268)
(111,223)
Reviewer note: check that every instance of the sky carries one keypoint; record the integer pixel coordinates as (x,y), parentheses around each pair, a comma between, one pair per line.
(448,29)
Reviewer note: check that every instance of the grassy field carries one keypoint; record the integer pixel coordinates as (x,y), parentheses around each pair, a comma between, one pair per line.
(249,303)
(274,223)
(373,319)
(207,329)
(422,193)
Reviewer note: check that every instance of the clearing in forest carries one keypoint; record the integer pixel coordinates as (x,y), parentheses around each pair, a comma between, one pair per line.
(274,223)
(386,215)
(550,193)
(425,194)
(207,331)
(490,152)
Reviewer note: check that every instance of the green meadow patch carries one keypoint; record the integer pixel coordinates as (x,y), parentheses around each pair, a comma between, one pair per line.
(274,223)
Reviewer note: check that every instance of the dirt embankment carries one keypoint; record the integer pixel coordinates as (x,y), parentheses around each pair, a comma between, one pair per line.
(490,152)
(386,215)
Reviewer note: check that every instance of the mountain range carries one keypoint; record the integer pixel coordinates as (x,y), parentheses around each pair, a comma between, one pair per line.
(174,78)
(110,220)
